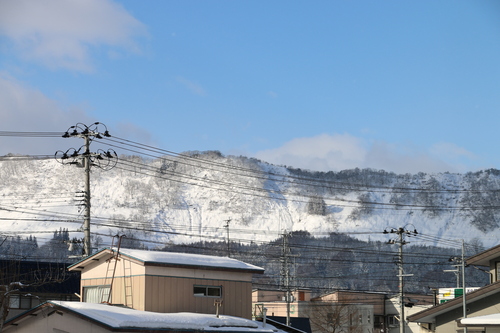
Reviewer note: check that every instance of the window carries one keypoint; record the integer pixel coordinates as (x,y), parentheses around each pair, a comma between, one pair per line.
(14,301)
(96,294)
(392,320)
(20,302)
(207,291)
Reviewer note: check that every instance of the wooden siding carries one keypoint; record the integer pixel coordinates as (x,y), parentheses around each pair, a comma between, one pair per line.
(173,294)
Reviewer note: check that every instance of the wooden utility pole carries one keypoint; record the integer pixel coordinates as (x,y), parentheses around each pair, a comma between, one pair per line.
(103,159)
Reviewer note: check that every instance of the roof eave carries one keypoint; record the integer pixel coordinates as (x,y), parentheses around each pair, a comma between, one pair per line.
(216,268)
(483,258)
(429,315)
(80,265)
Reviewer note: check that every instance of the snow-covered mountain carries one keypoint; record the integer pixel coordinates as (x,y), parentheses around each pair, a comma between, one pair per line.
(207,196)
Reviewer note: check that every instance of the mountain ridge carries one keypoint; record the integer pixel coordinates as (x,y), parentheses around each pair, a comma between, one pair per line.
(208,196)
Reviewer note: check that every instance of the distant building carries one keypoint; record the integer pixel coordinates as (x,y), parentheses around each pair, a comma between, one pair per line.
(345,310)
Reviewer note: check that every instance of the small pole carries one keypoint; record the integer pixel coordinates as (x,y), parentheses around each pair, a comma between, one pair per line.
(227,227)
(463,284)
(217,304)
(401,282)
(86,222)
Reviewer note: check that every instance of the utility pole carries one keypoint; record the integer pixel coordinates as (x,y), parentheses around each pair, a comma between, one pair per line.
(103,159)
(227,227)
(463,284)
(401,232)
(285,274)
(460,262)
(86,218)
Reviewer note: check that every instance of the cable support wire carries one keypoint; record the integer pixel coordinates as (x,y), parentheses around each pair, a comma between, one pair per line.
(141,226)
(16,158)
(32,134)
(43,213)
(310,181)
(278,195)
(157,172)
(334,201)
(314,182)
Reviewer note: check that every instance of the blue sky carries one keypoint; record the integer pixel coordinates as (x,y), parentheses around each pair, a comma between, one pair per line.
(404,86)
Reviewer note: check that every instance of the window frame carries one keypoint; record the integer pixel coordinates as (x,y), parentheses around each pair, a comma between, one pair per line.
(103,292)
(206,291)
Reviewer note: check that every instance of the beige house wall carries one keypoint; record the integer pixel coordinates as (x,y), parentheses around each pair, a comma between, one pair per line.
(56,323)
(279,309)
(103,268)
(347,297)
(198,273)
(259,295)
(135,298)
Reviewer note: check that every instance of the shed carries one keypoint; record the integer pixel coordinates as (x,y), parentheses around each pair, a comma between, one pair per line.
(168,282)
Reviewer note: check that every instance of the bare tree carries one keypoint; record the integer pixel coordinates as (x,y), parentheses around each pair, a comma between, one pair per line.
(333,317)
(24,280)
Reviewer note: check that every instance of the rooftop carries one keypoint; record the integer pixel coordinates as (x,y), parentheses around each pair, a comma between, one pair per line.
(161,258)
(125,318)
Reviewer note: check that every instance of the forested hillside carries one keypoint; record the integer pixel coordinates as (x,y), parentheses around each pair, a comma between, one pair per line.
(322,264)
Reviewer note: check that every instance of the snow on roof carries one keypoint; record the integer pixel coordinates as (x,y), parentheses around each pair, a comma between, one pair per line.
(119,317)
(492,319)
(187,259)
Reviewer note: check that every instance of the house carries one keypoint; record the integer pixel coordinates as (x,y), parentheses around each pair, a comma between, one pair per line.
(344,309)
(81,317)
(168,282)
(484,301)
(41,281)
(276,307)
(355,309)
(275,302)
(338,309)
(413,303)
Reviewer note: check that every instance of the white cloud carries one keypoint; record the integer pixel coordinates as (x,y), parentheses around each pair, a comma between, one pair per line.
(60,33)
(272,94)
(451,151)
(320,153)
(25,109)
(343,151)
(194,87)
